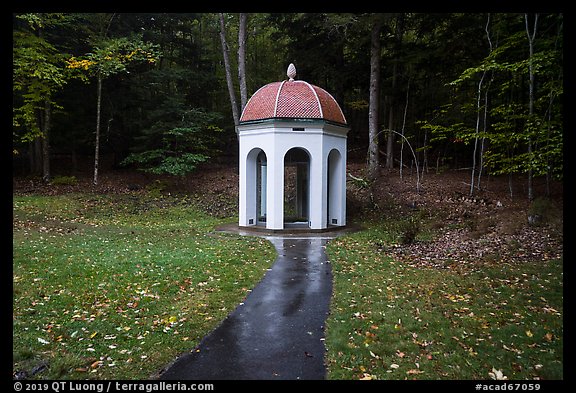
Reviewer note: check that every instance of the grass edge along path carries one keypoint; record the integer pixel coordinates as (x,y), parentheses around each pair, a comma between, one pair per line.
(117,286)
(390,320)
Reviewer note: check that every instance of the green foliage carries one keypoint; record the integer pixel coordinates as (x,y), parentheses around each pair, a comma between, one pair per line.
(509,126)
(112,56)
(184,141)
(38,74)
(158,162)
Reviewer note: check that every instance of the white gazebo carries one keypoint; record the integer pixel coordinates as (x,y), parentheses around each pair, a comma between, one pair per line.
(292,138)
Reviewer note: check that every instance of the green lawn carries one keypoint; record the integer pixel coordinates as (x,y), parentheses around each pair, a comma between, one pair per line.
(117,286)
(390,320)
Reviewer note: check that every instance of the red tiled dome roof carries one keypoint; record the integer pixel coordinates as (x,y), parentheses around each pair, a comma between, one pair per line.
(292,99)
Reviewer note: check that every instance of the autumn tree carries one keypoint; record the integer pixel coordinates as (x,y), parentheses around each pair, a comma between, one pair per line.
(109,57)
(38,74)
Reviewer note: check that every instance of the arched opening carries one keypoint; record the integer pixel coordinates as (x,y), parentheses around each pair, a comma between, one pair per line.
(255,187)
(261,180)
(296,188)
(335,189)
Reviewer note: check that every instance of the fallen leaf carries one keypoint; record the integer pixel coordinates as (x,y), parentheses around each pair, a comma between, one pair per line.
(529,333)
(97,363)
(497,375)
(414,371)
(550,310)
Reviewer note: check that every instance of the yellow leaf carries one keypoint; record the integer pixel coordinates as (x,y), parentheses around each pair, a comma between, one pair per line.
(529,333)
(93,334)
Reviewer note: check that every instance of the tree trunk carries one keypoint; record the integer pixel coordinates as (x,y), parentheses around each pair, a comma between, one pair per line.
(373,159)
(403,128)
(228,71)
(531,97)
(36,157)
(478,100)
(242,60)
(97,148)
(485,120)
(399,34)
(390,141)
(483,140)
(46,142)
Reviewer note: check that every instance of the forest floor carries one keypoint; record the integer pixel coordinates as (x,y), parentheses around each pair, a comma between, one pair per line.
(491,224)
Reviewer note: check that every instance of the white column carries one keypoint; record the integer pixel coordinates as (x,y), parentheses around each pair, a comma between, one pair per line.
(336,159)
(275,191)
(263,182)
(342,221)
(318,187)
(242,221)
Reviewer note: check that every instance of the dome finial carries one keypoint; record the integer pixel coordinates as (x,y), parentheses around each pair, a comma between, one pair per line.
(291,72)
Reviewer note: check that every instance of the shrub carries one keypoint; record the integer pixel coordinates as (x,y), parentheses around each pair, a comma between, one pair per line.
(409,229)
(64,181)
(541,210)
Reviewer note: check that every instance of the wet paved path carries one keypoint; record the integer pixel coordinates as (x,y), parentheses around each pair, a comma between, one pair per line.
(278,332)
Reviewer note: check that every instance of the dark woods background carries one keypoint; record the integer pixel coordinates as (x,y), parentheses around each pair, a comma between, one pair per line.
(150,90)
